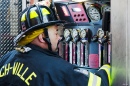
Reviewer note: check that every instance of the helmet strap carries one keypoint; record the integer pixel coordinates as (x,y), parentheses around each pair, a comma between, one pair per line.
(47,39)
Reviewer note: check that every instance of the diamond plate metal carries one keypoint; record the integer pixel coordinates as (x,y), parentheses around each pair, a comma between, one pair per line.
(9,10)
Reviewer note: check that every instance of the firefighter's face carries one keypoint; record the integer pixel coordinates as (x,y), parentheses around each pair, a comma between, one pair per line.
(54,37)
(44,2)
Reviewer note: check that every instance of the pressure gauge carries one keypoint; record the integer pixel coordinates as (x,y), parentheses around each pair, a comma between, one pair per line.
(105,8)
(100,33)
(66,33)
(93,13)
(74,33)
(83,34)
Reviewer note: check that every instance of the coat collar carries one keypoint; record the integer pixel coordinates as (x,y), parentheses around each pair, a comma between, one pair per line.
(48,52)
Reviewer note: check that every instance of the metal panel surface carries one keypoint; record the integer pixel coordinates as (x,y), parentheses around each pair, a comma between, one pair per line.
(128,41)
(120,42)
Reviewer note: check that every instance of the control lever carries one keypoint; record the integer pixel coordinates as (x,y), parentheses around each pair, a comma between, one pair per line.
(75,46)
(85,36)
(67,36)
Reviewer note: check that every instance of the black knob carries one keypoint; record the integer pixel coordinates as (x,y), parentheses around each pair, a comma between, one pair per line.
(105,39)
(94,38)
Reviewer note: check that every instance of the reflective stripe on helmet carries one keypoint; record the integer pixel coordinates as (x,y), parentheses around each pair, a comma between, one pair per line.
(94,80)
(45,11)
(107,69)
(33,14)
(23,17)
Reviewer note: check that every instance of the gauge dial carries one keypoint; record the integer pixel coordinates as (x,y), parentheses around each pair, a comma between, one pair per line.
(105,8)
(100,33)
(83,34)
(66,33)
(74,33)
(93,13)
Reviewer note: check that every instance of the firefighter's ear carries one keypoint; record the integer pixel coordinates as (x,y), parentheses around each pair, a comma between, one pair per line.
(40,38)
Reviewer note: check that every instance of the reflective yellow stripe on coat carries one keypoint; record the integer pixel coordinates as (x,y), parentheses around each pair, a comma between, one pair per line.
(94,80)
(107,69)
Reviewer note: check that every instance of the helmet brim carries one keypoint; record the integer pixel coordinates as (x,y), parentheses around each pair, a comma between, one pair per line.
(38,26)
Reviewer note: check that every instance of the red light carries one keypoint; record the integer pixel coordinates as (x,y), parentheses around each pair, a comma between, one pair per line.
(66,13)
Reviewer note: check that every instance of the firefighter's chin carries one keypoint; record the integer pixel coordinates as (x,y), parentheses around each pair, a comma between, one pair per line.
(56,50)
(57,47)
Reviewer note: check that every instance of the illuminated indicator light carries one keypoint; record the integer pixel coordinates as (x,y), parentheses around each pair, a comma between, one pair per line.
(66,13)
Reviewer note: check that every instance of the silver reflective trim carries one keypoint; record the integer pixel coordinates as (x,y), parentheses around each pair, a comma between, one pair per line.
(81,70)
(94,80)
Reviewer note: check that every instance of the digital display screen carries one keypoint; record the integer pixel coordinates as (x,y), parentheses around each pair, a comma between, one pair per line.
(76,9)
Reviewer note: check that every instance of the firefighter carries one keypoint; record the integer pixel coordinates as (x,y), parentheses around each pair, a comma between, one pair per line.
(35,62)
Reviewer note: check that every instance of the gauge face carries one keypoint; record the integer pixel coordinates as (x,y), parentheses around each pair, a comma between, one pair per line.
(74,33)
(105,8)
(94,13)
(82,33)
(66,33)
(100,33)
